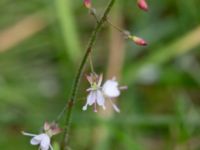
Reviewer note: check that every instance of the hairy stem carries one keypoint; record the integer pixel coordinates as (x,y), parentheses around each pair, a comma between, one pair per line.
(72,98)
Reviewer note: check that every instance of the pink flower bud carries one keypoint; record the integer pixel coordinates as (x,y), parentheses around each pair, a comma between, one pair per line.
(139,41)
(142,4)
(87,4)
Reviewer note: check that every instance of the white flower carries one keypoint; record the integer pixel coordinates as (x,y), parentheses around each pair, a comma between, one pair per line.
(98,93)
(95,94)
(43,140)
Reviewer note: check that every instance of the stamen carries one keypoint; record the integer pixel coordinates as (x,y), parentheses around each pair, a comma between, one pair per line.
(28,134)
(114,106)
(123,87)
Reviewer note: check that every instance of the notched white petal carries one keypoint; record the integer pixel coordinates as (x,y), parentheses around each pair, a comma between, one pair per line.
(100,98)
(37,139)
(110,89)
(45,143)
(91,98)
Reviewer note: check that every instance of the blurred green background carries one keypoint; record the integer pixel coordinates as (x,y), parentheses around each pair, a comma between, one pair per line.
(41,43)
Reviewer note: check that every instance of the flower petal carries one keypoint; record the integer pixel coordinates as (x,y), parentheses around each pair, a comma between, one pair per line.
(110,88)
(91,98)
(45,143)
(37,139)
(100,98)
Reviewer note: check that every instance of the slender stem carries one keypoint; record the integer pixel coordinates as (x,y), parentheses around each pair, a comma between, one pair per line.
(91,63)
(75,86)
(116,27)
(93,13)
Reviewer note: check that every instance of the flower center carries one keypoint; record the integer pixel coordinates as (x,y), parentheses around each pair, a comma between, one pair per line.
(94,86)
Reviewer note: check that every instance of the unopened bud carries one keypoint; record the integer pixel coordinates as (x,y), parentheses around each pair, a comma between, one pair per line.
(87,4)
(139,41)
(142,4)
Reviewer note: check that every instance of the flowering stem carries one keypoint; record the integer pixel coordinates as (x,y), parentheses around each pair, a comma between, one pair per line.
(75,86)
(91,63)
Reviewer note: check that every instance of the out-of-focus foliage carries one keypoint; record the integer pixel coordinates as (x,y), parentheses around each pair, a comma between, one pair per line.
(159,111)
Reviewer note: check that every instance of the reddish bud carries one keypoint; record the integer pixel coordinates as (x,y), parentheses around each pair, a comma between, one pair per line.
(87,4)
(142,4)
(139,41)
